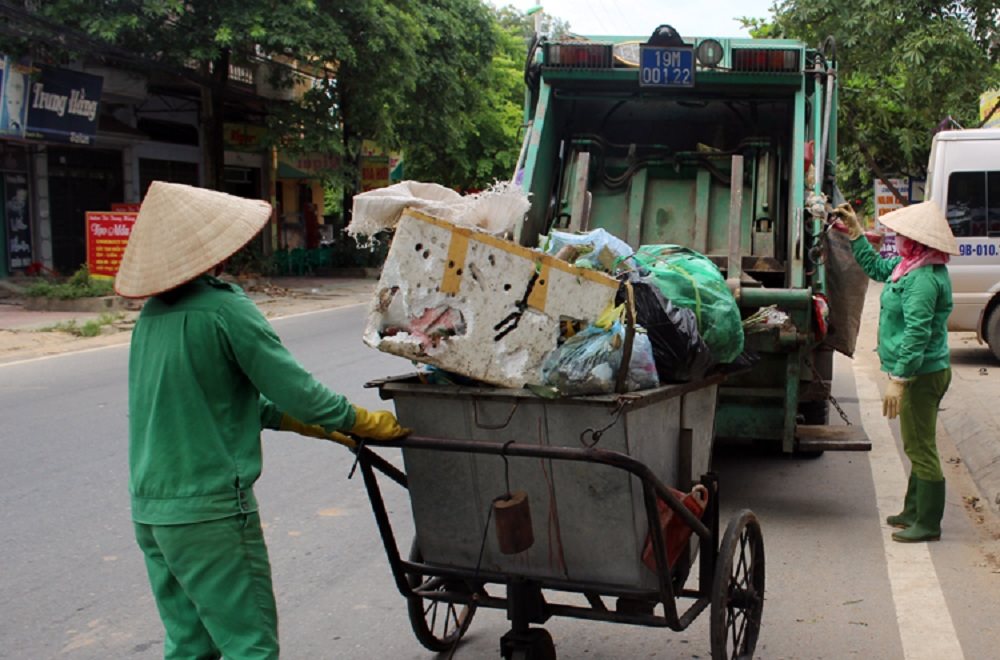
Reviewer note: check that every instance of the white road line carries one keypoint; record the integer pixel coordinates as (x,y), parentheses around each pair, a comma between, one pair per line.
(922,615)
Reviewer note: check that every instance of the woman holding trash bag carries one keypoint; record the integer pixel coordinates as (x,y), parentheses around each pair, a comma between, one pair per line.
(913,348)
(206,373)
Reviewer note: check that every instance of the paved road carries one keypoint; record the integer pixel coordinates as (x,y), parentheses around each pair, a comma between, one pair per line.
(73,584)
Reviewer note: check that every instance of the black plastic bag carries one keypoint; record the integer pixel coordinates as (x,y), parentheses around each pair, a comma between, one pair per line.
(678,350)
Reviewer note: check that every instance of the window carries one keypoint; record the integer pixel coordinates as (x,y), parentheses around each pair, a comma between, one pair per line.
(974,203)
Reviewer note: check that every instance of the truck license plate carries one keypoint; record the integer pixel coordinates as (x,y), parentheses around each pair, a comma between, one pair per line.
(666,67)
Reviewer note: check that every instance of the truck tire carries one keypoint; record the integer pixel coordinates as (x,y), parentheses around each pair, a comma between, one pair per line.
(993,332)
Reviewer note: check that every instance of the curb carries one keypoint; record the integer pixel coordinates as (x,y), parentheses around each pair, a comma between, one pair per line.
(974,430)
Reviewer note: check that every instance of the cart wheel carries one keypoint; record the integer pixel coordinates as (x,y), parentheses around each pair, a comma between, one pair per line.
(534,644)
(738,589)
(437,625)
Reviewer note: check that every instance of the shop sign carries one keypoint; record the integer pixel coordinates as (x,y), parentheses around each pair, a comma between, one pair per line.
(374,172)
(243,137)
(18,218)
(107,235)
(125,207)
(63,106)
(306,166)
(911,190)
(15,81)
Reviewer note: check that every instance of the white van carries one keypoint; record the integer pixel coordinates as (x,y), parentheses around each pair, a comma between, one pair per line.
(963,177)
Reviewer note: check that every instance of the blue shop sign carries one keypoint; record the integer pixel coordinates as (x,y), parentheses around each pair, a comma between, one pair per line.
(63,106)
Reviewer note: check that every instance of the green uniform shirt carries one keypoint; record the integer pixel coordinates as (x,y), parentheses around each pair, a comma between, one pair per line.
(204,369)
(913,318)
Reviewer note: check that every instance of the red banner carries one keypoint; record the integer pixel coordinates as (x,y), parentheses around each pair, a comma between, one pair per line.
(107,234)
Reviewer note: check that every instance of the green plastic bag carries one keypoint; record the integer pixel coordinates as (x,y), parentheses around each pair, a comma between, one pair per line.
(690,280)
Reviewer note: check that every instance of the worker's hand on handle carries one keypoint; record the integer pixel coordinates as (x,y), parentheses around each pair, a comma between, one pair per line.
(377,425)
(850,219)
(289,423)
(892,400)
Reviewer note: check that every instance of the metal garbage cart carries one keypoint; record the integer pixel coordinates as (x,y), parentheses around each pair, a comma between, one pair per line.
(595,471)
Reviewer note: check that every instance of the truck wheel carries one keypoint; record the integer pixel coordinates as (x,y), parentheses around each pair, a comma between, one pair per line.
(993,332)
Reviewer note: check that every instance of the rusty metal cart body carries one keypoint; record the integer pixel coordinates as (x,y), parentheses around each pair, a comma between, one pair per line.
(593,469)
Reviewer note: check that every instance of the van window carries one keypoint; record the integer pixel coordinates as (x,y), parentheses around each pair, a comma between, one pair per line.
(974,203)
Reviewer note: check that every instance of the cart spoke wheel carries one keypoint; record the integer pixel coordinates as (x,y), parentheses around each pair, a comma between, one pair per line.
(738,589)
(437,625)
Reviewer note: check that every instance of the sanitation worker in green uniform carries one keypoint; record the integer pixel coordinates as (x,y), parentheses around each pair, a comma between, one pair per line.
(913,349)
(206,374)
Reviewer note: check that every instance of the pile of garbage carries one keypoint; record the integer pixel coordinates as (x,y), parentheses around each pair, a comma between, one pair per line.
(686,320)
(582,314)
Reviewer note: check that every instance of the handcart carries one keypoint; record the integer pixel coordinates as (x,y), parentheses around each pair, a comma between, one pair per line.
(595,472)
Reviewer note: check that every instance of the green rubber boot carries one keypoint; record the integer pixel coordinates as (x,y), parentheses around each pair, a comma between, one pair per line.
(930,510)
(908,515)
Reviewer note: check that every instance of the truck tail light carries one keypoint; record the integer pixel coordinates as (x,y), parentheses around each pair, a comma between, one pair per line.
(765,60)
(578,55)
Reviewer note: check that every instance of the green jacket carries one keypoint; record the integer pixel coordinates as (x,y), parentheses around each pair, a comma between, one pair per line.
(913,318)
(206,373)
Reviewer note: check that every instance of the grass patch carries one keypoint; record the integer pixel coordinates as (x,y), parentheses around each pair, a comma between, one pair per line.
(90,328)
(78,285)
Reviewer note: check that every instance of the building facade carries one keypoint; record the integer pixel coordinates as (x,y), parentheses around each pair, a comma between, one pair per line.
(91,138)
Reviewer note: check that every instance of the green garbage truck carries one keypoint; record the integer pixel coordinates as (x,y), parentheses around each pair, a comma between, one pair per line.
(726,146)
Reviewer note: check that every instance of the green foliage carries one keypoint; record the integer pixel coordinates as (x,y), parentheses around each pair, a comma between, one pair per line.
(511,18)
(90,328)
(79,285)
(438,80)
(904,66)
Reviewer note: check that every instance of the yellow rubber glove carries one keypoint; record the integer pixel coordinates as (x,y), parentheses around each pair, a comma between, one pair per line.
(289,423)
(850,218)
(892,400)
(378,425)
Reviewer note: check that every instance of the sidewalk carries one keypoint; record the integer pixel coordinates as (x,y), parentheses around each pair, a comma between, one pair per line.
(26,334)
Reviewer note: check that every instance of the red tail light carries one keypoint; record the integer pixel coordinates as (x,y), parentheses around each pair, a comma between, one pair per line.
(578,55)
(766,60)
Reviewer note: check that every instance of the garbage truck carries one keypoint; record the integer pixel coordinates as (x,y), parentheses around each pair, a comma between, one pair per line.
(726,146)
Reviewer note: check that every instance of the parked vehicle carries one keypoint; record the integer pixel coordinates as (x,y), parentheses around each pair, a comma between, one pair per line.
(706,143)
(964,178)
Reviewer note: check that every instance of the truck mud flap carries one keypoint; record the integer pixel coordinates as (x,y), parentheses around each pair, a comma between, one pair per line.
(826,437)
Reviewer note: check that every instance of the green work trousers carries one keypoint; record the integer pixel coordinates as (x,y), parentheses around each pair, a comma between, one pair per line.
(212,584)
(918,422)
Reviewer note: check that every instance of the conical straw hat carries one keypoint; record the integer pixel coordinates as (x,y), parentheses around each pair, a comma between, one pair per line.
(924,223)
(182,232)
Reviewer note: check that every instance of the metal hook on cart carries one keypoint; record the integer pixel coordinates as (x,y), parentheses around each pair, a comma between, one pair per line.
(493,427)
(506,467)
(595,434)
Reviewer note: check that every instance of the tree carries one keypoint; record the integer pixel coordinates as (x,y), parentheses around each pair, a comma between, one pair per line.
(437,79)
(904,66)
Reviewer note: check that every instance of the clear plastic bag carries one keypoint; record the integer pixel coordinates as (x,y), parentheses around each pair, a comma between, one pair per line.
(588,362)
(597,249)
